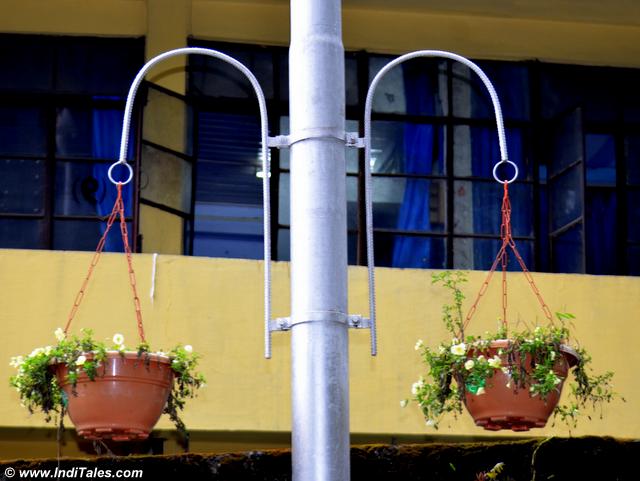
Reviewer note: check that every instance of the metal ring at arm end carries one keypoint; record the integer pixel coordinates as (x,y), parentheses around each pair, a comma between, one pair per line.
(505,161)
(109,172)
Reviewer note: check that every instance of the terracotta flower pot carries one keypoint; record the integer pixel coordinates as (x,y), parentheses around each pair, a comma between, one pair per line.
(502,407)
(125,400)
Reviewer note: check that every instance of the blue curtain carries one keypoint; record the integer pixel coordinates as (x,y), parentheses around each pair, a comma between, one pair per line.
(107,129)
(487,196)
(419,156)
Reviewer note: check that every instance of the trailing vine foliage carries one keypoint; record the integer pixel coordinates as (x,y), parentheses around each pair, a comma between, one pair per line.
(467,365)
(39,390)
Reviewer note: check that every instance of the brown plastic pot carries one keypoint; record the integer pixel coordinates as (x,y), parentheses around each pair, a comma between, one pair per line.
(502,407)
(124,401)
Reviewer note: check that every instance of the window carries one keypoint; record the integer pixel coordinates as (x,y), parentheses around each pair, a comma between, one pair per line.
(574,133)
(61,106)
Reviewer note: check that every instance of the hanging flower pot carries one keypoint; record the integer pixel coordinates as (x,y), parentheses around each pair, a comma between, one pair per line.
(123,401)
(505,382)
(508,399)
(108,391)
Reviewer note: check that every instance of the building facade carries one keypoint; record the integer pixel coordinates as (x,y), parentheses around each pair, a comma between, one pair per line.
(567,79)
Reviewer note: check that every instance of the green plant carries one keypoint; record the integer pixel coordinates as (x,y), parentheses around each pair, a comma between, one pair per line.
(491,474)
(463,365)
(38,386)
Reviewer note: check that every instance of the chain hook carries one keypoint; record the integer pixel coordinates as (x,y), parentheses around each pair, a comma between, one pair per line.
(498,164)
(110,172)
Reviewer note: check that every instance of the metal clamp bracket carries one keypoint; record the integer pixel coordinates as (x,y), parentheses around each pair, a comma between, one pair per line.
(351,139)
(355,321)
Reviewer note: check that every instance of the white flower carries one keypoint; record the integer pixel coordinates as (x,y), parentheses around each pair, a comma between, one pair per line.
(469,365)
(480,391)
(416,386)
(442,349)
(36,352)
(16,361)
(418,345)
(557,380)
(175,361)
(553,355)
(59,333)
(47,350)
(430,422)
(81,360)
(459,349)
(495,362)
(118,339)
(505,370)
(481,358)
(188,348)
(121,347)
(403,403)
(537,330)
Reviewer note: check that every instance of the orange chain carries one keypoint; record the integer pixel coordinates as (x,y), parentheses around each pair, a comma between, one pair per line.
(118,211)
(503,259)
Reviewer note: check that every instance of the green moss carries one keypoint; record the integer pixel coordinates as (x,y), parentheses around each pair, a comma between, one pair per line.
(557,459)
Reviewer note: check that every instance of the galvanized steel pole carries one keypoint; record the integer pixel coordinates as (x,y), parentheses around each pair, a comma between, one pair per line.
(319,332)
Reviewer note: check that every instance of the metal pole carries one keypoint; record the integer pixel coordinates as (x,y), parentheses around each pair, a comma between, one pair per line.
(319,332)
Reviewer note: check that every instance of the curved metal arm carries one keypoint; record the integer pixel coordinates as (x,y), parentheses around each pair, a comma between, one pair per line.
(367,149)
(266,167)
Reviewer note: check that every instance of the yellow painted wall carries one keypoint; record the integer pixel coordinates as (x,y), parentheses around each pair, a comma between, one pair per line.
(373,29)
(161,231)
(216,305)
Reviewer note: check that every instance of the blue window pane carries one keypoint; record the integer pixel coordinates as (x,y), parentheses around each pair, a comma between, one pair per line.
(567,198)
(416,87)
(83,188)
(543,226)
(31,60)
(477,149)
(479,254)
(633,215)
(602,237)
(472,100)
(633,260)
(89,133)
(284,244)
(22,234)
(351,79)
(22,131)
(404,251)
(22,186)
(409,204)
(406,148)
(84,235)
(477,208)
(228,230)
(567,250)
(565,87)
(632,155)
(601,159)
(228,210)
(229,164)
(98,66)
(215,78)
